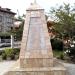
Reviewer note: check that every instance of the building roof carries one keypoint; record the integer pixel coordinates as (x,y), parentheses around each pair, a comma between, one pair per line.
(7,10)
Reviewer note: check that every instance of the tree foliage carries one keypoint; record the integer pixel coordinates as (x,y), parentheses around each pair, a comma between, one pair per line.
(64,18)
(19,32)
(64,25)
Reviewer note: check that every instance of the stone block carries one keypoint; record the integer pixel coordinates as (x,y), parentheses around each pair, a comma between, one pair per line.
(38,71)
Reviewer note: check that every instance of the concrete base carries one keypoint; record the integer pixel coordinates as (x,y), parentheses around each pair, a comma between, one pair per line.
(41,71)
(36,62)
(56,70)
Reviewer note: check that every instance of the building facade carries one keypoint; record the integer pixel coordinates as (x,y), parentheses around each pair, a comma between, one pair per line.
(6,24)
(6,19)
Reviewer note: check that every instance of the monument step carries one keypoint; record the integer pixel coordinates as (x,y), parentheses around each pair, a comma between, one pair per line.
(36,62)
(37,71)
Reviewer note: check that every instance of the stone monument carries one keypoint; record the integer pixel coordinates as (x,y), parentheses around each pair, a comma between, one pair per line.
(36,57)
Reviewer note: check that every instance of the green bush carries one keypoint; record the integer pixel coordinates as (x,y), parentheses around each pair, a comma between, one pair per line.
(58,54)
(16,50)
(8,51)
(12,56)
(61,56)
(4,56)
(1,52)
(56,44)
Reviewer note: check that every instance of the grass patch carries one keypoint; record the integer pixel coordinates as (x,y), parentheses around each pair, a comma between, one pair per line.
(58,54)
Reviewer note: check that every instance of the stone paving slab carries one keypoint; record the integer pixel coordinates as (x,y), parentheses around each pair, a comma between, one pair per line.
(5,66)
(70,68)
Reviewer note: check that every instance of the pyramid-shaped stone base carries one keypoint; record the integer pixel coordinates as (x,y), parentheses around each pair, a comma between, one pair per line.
(56,70)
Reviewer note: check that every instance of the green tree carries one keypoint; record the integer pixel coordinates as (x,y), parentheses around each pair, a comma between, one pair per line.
(64,18)
(19,32)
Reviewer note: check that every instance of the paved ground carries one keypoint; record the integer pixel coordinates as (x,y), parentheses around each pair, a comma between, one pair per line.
(5,66)
(70,68)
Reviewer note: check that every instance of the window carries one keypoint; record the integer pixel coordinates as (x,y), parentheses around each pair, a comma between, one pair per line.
(9,28)
(9,20)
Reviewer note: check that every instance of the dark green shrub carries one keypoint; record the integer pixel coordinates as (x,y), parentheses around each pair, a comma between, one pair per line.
(58,54)
(4,56)
(12,56)
(61,56)
(16,50)
(57,44)
(1,52)
(8,52)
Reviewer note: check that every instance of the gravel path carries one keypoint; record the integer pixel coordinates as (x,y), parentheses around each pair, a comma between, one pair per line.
(5,66)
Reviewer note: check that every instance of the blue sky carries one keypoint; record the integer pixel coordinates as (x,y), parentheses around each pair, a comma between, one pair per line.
(21,5)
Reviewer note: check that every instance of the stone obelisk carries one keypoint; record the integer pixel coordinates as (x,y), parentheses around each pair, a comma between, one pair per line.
(36,57)
(36,49)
